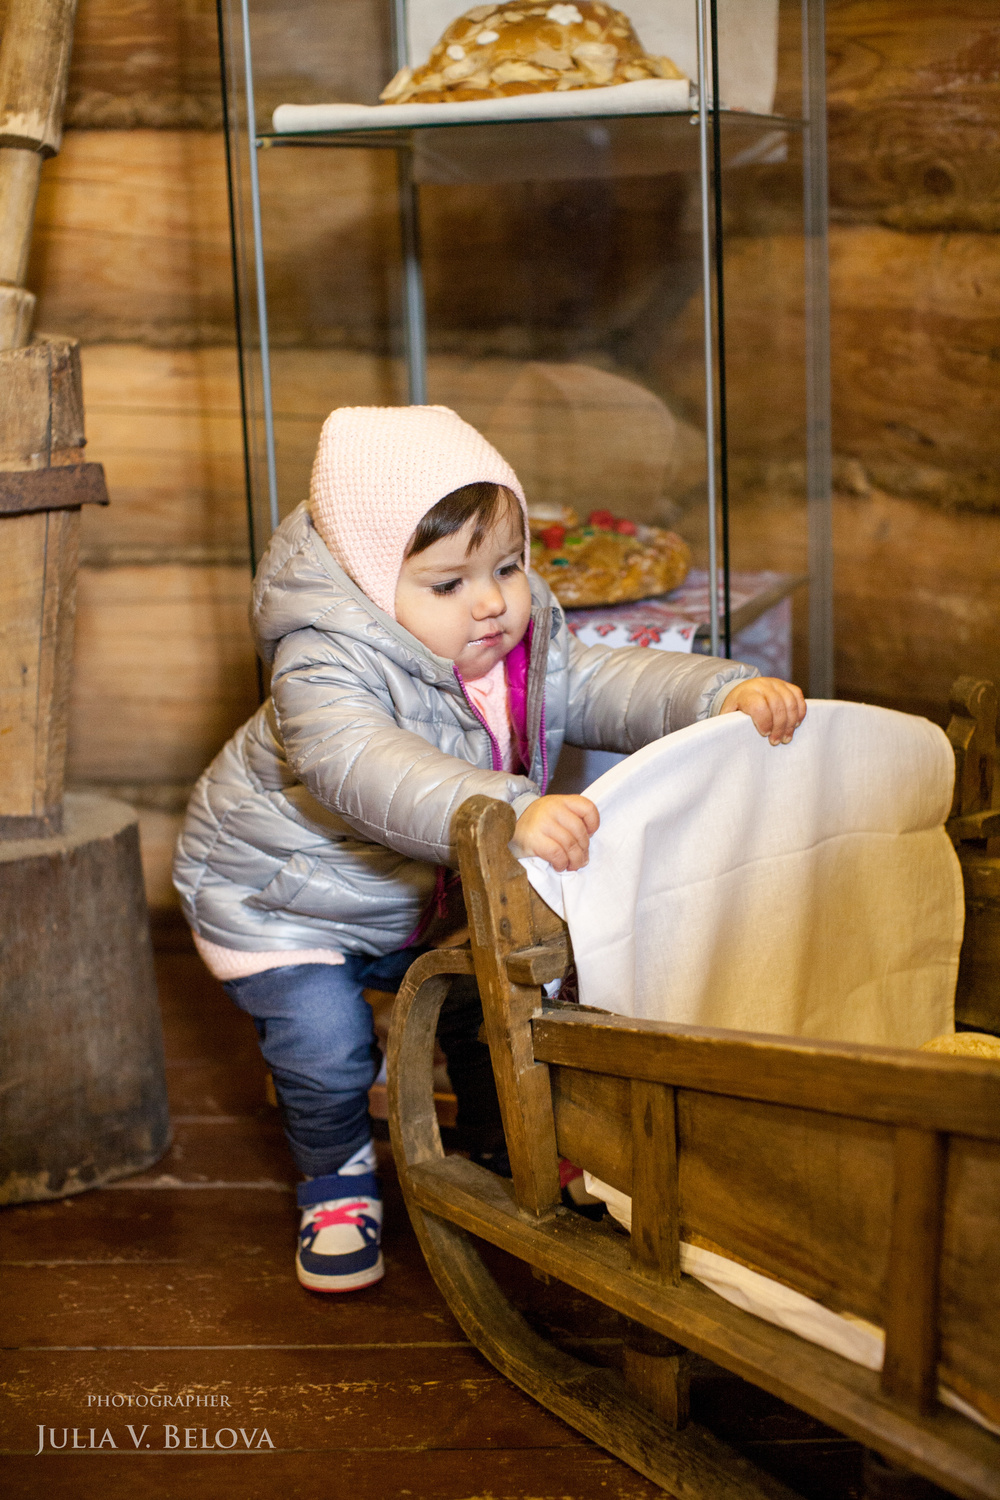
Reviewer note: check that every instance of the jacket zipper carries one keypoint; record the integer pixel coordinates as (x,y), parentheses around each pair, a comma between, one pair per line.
(543,746)
(495,755)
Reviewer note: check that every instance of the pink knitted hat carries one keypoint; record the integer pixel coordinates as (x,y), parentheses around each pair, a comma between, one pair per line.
(378,470)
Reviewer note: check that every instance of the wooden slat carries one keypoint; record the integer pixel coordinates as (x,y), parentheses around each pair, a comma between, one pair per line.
(36,651)
(70,485)
(977,825)
(944,1447)
(973,737)
(881,1084)
(498,900)
(977,996)
(593,1124)
(655,1242)
(23,543)
(909,1372)
(821,1188)
(540,964)
(820,1185)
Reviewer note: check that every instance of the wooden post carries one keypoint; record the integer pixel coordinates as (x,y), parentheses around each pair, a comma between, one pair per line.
(909,1370)
(655,1243)
(972,732)
(43,483)
(498,900)
(34,65)
(659,1371)
(975,827)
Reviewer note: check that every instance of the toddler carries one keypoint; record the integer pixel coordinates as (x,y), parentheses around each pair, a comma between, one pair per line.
(415,661)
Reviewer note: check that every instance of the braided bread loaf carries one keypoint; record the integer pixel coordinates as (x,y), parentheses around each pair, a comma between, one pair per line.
(512,48)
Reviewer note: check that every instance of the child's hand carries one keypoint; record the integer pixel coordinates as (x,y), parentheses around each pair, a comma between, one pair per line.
(777,708)
(557,829)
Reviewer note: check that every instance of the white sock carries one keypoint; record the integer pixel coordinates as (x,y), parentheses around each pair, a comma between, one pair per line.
(362,1161)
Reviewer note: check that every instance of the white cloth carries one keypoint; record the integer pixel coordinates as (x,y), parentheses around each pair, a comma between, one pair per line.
(650,96)
(854,1338)
(805,889)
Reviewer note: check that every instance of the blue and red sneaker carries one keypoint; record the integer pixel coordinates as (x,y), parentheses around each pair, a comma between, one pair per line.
(340,1233)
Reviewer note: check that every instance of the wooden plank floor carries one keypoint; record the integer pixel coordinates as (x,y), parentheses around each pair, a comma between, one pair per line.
(179,1284)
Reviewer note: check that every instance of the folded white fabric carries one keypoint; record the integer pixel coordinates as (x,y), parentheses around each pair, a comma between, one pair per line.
(805,889)
(650,96)
(855,1338)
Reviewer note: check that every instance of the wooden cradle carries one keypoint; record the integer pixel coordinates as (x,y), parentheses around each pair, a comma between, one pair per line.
(867,1178)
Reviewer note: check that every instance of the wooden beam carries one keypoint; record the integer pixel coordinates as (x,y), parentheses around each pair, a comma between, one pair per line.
(659,1371)
(34,63)
(539,964)
(65,488)
(498,900)
(909,1371)
(655,1242)
(885,1084)
(37,610)
(972,732)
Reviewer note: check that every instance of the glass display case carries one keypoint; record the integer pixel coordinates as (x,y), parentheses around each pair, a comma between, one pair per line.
(622,283)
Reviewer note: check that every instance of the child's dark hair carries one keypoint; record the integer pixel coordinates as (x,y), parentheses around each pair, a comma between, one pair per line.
(484,502)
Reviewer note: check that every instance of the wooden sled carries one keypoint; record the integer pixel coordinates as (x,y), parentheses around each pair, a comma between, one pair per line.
(867,1178)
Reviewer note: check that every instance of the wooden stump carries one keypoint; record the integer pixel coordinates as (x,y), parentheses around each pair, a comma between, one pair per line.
(83,1090)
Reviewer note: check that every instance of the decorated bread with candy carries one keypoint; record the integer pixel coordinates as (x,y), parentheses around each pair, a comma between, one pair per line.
(604,560)
(496,50)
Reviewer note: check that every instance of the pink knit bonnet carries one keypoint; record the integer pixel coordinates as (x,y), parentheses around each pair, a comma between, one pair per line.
(378,471)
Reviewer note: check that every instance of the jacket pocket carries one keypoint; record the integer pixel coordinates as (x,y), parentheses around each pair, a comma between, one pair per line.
(280,893)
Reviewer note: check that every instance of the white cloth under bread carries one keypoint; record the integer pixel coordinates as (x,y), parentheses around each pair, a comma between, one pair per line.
(806,889)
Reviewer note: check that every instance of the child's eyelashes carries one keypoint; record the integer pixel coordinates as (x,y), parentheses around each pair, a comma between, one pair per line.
(452,585)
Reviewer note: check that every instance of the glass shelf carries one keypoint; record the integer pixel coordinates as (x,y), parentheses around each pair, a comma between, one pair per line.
(598,146)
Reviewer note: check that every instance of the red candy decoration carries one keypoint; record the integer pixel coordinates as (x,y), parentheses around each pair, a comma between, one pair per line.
(603,519)
(625,528)
(553,537)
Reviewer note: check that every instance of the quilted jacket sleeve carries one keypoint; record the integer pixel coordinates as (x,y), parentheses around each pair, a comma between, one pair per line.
(343,742)
(622,699)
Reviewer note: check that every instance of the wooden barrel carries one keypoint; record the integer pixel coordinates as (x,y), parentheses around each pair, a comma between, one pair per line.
(83,1094)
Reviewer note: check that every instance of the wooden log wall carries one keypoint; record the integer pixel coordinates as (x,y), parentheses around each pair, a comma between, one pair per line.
(131,255)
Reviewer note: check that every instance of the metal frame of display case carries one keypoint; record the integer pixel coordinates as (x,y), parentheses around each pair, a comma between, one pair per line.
(245,141)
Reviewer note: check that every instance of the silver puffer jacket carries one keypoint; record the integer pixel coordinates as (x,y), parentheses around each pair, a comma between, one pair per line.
(325,819)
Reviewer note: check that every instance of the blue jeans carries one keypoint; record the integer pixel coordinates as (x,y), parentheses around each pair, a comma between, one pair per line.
(316,1033)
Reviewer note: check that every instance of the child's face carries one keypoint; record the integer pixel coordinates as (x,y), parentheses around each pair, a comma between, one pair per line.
(472,607)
